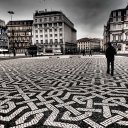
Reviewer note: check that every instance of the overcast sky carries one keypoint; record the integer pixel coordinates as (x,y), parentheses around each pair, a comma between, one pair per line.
(88,16)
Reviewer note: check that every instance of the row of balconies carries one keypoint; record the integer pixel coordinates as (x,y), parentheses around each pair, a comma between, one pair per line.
(118,19)
(18,41)
(19,30)
(48,25)
(17,35)
(47,19)
(126,40)
(50,43)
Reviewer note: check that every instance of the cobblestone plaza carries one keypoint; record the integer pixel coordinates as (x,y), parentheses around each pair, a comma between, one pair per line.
(63,93)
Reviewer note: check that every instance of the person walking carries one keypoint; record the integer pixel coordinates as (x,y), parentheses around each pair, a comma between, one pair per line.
(14,52)
(110,55)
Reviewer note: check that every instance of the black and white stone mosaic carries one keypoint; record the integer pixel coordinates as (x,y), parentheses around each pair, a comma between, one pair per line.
(63,93)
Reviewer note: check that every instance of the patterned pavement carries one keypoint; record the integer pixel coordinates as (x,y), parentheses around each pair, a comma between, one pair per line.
(63,93)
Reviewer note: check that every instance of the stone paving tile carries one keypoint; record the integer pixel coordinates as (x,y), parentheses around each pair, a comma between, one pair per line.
(63,93)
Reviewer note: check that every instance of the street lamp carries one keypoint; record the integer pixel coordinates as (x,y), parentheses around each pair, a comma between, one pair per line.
(11,13)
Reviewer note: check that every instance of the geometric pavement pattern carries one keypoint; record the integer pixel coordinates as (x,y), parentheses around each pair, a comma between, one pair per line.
(63,93)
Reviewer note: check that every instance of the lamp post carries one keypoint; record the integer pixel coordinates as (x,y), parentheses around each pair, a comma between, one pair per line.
(11,13)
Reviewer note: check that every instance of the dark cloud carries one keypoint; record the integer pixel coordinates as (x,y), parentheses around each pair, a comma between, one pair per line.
(88,16)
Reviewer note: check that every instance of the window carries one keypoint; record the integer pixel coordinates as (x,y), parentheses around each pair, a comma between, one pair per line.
(55,29)
(114,26)
(114,38)
(60,29)
(55,24)
(119,13)
(35,20)
(36,31)
(40,20)
(36,36)
(46,35)
(36,41)
(114,14)
(114,19)
(55,35)
(119,37)
(51,40)
(50,30)
(56,40)
(41,35)
(45,25)
(50,25)
(119,18)
(60,18)
(41,31)
(55,18)
(41,41)
(119,26)
(126,12)
(50,19)
(45,19)
(60,24)
(126,36)
(46,41)
(40,25)
(50,35)
(45,30)
(61,40)
(36,26)
(60,34)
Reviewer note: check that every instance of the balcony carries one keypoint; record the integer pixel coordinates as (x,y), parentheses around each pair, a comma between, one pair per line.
(51,43)
(45,44)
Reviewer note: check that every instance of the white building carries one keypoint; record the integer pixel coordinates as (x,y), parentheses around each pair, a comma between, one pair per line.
(87,44)
(54,32)
(117,30)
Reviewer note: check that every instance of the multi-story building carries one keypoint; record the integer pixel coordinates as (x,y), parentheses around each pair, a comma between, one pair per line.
(116,30)
(87,44)
(20,34)
(54,32)
(3,36)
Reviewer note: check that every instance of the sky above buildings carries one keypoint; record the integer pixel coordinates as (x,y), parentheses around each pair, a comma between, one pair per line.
(88,16)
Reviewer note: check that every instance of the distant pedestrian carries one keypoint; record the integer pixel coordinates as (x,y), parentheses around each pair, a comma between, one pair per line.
(110,55)
(83,52)
(14,52)
(90,52)
(25,53)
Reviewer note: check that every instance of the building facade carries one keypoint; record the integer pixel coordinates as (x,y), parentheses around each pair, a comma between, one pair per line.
(3,36)
(54,32)
(20,35)
(116,30)
(87,44)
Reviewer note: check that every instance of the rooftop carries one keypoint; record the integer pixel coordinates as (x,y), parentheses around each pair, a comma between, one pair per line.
(20,22)
(40,13)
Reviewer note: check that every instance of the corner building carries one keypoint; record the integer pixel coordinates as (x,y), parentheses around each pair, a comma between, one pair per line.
(54,32)
(20,34)
(116,30)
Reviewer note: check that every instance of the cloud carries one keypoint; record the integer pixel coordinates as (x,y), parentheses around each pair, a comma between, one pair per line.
(88,16)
